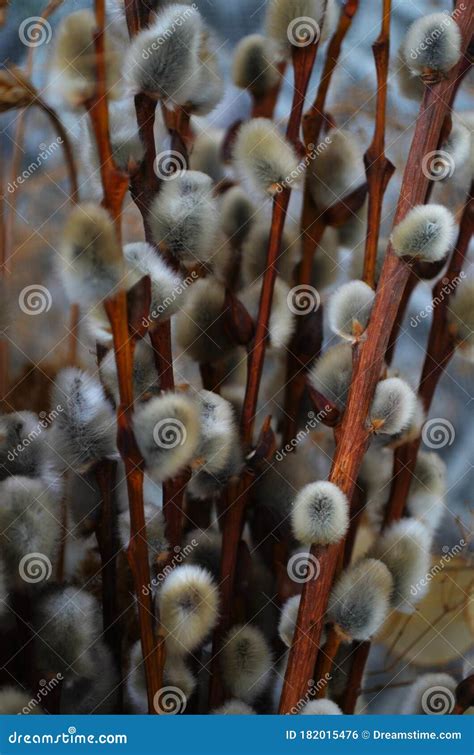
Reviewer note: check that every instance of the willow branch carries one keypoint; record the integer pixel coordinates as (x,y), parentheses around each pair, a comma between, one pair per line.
(354,436)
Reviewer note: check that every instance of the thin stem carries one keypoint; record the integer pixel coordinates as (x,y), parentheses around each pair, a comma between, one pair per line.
(354,436)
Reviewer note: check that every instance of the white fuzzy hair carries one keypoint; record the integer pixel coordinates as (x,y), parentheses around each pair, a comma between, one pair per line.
(410,86)
(405,548)
(127,147)
(163,58)
(429,694)
(460,314)
(253,67)
(237,215)
(145,379)
(155,531)
(287,622)
(30,525)
(393,406)
(246,662)
(349,309)
(331,374)
(281,14)
(92,265)
(13,701)
(426,232)
(320,514)
(264,158)
(23,446)
(204,549)
(427,490)
(167,433)
(282,322)
(337,170)
(321,708)
(360,600)
(167,290)
(208,88)
(84,431)
(184,217)
(68,622)
(74,72)
(188,605)
(200,326)
(432,43)
(325,267)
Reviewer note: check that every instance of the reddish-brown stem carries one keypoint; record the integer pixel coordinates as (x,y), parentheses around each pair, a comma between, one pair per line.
(361,653)
(354,434)
(378,168)
(264,106)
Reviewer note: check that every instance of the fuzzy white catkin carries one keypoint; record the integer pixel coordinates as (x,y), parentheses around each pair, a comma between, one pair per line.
(320,514)
(175,673)
(30,528)
(426,233)
(299,23)
(168,290)
(255,247)
(188,603)
(203,548)
(246,662)
(287,622)
(23,447)
(410,86)
(427,490)
(163,58)
(167,433)
(360,600)
(349,309)
(155,532)
(84,431)
(14,701)
(96,691)
(430,694)
(460,314)
(331,374)
(336,170)
(184,218)
(321,708)
(206,155)
(200,326)
(92,265)
(74,72)
(127,147)
(145,378)
(237,215)
(207,88)
(264,158)
(393,406)
(432,43)
(405,549)
(253,68)
(234,708)
(455,151)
